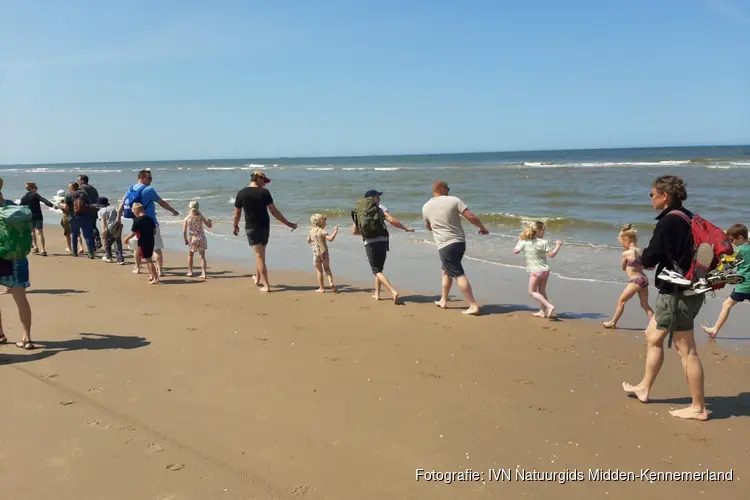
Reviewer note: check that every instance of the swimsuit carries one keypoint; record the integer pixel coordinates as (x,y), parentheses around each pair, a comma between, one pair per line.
(642,280)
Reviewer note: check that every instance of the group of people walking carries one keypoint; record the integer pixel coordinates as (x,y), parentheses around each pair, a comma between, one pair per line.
(671,248)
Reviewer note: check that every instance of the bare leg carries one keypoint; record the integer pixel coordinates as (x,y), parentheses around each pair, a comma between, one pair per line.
(376,295)
(327,268)
(33,240)
(204,265)
(643,297)
(726,307)
(190,263)
(68,243)
(684,342)
(260,263)
(384,281)
(41,240)
(24,311)
(465,286)
(654,360)
(543,290)
(159,262)
(630,290)
(447,283)
(319,271)
(137,268)
(534,282)
(152,271)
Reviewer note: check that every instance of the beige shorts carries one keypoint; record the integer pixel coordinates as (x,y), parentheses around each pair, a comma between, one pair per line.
(158,242)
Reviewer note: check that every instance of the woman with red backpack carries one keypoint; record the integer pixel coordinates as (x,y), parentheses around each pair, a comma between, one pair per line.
(671,251)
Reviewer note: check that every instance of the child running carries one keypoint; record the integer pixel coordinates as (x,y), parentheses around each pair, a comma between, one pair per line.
(318,237)
(144,228)
(637,280)
(737,235)
(195,238)
(536,250)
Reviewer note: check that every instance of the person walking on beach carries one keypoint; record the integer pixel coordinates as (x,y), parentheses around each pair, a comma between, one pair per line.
(33,200)
(93,194)
(671,249)
(147,196)
(14,275)
(195,237)
(369,216)
(78,205)
(65,220)
(111,229)
(442,216)
(144,228)
(536,250)
(637,280)
(318,237)
(737,235)
(256,201)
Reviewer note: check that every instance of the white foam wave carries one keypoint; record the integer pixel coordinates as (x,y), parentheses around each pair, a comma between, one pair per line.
(319,168)
(386,169)
(222,168)
(354,168)
(255,165)
(231,200)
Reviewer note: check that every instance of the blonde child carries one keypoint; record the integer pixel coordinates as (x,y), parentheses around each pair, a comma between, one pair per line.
(536,250)
(737,235)
(144,228)
(318,237)
(195,238)
(637,280)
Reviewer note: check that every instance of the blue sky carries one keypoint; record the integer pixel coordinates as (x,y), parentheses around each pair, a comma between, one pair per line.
(143,80)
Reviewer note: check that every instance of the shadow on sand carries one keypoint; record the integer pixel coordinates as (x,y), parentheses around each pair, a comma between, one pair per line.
(720,407)
(56,291)
(87,341)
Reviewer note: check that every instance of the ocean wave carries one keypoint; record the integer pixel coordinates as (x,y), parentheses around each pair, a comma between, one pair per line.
(386,169)
(320,168)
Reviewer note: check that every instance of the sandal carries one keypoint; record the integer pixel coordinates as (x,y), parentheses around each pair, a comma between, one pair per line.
(3,338)
(25,345)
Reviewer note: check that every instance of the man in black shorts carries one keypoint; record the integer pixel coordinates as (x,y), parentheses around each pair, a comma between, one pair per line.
(377,248)
(442,215)
(256,201)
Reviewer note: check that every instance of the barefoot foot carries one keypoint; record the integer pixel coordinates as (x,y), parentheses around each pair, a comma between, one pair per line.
(189,274)
(690,413)
(376,296)
(395,298)
(265,289)
(256,279)
(136,271)
(638,391)
(320,290)
(440,303)
(471,311)
(710,331)
(609,324)
(540,314)
(203,277)
(551,312)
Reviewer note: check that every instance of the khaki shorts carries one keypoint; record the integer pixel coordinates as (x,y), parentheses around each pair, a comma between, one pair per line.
(677,311)
(158,242)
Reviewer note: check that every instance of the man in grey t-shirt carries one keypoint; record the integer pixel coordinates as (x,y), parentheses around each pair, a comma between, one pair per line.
(442,215)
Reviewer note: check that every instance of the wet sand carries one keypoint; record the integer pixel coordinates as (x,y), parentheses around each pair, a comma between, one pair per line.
(190,390)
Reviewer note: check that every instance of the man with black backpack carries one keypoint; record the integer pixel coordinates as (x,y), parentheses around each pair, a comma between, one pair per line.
(78,209)
(369,217)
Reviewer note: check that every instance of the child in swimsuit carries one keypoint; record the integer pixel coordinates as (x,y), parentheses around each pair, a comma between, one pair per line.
(195,237)
(536,250)
(318,237)
(637,280)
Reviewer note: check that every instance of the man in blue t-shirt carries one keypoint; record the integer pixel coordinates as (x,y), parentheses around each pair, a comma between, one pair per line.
(149,199)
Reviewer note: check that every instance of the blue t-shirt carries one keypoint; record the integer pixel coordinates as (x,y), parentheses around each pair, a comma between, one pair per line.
(149,197)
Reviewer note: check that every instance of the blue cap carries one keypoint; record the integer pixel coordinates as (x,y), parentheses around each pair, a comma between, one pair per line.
(372,192)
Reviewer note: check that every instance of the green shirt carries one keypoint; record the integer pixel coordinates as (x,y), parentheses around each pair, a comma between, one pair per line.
(743,252)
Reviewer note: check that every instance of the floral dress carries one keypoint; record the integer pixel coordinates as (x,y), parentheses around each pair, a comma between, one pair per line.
(196,237)
(319,243)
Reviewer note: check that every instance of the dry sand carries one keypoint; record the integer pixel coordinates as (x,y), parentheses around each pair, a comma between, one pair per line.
(190,390)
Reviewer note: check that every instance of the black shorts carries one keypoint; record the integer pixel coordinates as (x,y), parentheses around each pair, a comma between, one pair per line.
(146,250)
(258,236)
(739,296)
(450,257)
(376,254)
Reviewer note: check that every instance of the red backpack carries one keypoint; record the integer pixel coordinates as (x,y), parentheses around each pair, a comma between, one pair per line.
(705,233)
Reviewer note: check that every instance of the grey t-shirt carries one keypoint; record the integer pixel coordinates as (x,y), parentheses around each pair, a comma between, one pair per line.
(444,215)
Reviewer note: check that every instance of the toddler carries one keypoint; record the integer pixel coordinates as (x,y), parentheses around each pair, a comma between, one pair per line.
(318,237)
(195,238)
(536,250)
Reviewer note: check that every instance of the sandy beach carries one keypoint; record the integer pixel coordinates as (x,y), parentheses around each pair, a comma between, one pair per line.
(190,390)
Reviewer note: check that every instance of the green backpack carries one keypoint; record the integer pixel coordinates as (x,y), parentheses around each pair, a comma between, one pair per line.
(15,232)
(369,218)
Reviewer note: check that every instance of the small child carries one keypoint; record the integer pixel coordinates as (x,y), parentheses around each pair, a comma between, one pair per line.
(318,237)
(637,280)
(111,230)
(536,250)
(737,235)
(195,238)
(144,229)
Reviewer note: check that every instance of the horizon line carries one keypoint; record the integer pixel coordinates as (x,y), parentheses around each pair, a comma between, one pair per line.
(374,155)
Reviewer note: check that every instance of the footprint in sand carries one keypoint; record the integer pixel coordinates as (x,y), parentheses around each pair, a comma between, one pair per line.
(332,359)
(128,428)
(48,375)
(96,423)
(434,376)
(692,439)
(175,467)
(95,391)
(300,490)
(262,339)
(67,403)
(523,381)
(155,448)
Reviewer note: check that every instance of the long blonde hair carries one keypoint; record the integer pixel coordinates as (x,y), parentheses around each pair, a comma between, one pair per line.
(629,233)
(529,233)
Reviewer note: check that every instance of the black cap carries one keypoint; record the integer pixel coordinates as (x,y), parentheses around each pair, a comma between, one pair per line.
(102,201)
(372,192)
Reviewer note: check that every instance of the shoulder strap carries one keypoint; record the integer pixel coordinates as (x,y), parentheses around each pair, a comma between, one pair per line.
(682,214)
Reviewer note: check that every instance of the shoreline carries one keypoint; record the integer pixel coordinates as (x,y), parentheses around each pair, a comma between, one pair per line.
(215,390)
